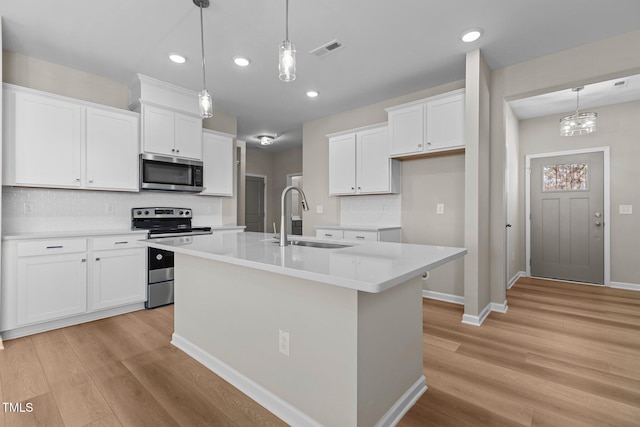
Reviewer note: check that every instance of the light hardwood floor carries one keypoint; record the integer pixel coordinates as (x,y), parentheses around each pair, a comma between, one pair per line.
(563,355)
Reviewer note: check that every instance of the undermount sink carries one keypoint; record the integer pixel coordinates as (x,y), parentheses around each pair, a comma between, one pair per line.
(312,244)
(323,245)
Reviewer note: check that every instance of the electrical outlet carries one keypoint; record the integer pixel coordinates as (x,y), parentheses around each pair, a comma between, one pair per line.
(28,208)
(283,342)
(109,208)
(440,208)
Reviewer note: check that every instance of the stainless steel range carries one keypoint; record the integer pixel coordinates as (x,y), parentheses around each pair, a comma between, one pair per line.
(163,222)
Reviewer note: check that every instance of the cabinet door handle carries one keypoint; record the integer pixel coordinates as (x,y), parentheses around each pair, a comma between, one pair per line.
(173,150)
(55,247)
(77,180)
(177,151)
(359,188)
(84,260)
(97,259)
(90,181)
(121,243)
(419,145)
(428,144)
(352,188)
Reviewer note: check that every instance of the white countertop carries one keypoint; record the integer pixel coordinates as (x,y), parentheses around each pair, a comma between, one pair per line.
(90,233)
(369,267)
(359,227)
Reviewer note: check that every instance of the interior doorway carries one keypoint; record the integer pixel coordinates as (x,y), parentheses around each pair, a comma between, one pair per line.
(255,203)
(568,215)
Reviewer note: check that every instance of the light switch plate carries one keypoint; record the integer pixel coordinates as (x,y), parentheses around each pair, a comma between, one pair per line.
(440,208)
(625,209)
(319,209)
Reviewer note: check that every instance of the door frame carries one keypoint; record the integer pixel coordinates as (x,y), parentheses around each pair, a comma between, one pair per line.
(264,196)
(607,205)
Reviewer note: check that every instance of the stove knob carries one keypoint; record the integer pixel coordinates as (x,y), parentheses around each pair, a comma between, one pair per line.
(159,257)
(146,212)
(139,212)
(181,213)
(186,213)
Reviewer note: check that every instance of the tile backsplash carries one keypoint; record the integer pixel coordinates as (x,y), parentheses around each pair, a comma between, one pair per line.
(376,210)
(27,210)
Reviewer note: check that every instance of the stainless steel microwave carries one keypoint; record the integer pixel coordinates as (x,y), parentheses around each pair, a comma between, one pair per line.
(166,173)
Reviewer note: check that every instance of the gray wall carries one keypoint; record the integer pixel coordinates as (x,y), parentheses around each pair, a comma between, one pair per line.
(602,60)
(617,129)
(425,182)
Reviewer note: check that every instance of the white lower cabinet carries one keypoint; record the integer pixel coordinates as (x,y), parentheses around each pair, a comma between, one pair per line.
(50,287)
(118,274)
(359,235)
(48,281)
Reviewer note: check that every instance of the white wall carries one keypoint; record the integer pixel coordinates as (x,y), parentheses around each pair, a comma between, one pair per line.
(69,210)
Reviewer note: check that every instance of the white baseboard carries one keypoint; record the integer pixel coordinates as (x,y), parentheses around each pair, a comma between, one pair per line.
(402,405)
(469,319)
(629,286)
(515,278)
(454,299)
(499,308)
(279,407)
(70,321)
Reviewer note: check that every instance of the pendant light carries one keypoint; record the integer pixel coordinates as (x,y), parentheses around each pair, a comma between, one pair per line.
(204,97)
(287,65)
(578,123)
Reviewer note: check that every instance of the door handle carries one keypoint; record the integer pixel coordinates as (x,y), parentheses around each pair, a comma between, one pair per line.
(598,223)
(508,225)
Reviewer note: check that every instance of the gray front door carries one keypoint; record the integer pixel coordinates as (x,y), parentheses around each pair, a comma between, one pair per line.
(254,204)
(567,217)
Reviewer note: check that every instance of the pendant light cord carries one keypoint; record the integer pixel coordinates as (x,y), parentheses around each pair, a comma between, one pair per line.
(287,21)
(204,78)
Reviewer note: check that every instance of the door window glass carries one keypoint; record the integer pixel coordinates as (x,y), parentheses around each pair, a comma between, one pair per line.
(565,177)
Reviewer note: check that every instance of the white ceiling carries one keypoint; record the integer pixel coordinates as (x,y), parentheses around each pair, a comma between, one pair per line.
(391,48)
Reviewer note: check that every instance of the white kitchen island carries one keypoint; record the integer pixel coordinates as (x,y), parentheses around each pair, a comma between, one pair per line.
(349,318)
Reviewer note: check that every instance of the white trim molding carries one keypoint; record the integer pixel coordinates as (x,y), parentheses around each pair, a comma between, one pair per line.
(499,308)
(453,299)
(393,416)
(469,319)
(279,407)
(628,286)
(515,278)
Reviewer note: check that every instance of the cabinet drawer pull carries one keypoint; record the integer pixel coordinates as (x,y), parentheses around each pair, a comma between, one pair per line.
(359,237)
(55,247)
(84,260)
(97,259)
(121,243)
(328,235)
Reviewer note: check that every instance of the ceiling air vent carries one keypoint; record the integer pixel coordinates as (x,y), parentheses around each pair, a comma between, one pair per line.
(327,48)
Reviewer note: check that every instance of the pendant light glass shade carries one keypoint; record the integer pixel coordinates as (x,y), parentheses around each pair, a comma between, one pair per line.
(287,57)
(204,97)
(206,104)
(287,61)
(578,123)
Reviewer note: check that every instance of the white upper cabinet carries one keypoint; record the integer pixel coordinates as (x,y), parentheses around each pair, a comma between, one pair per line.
(359,162)
(342,164)
(171,133)
(47,138)
(429,125)
(112,150)
(54,141)
(218,164)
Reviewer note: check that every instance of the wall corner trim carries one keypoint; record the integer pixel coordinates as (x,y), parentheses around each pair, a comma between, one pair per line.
(515,278)
(628,286)
(469,319)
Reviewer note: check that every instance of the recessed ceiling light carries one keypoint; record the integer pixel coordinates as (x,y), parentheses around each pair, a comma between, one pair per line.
(312,93)
(177,58)
(240,61)
(471,35)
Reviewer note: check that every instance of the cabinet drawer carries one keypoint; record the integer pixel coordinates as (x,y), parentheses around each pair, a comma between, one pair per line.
(329,234)
(48,247)
(117,242)
(369,236)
